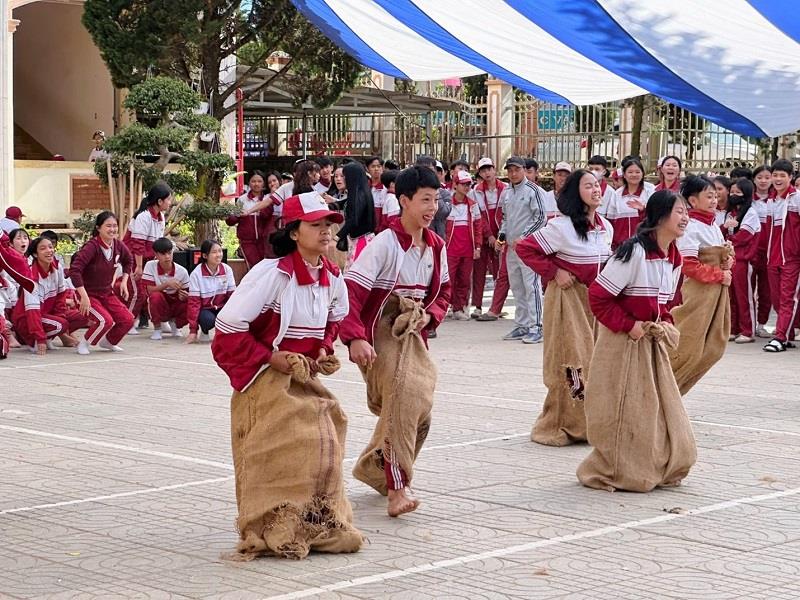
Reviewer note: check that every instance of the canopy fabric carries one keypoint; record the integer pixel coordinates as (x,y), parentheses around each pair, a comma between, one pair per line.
(734,62)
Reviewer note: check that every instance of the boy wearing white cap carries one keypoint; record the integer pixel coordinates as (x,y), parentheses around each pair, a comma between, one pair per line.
(12,219)
(523,214)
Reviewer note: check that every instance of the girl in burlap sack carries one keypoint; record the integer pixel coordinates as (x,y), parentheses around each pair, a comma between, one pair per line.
(274,336)
(635,418)
(399,291)
(568,253)
(704,317)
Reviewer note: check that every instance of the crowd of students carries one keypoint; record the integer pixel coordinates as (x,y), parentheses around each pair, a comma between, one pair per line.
(658,277)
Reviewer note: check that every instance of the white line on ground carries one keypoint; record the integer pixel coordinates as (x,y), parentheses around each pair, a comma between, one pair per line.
(77,363)
(747,428)
(102,444)
(510,550)
(149,490)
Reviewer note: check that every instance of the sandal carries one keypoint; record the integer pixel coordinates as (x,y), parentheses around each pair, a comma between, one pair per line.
(775,346)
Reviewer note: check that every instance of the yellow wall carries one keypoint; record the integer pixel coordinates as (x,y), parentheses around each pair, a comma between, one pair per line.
(43,188)
(62,89)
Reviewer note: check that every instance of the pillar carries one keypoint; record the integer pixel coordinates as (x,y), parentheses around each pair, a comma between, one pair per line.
(7,27)
(500,120)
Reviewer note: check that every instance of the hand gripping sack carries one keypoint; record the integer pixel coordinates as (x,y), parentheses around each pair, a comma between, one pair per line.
(569,332)
(636,423)
(400,387)
(704,322)
(288,438)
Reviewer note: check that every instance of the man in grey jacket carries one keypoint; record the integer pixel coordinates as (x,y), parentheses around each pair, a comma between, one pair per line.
(523,214)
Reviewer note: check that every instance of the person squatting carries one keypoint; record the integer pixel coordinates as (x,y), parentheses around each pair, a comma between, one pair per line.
(657,277)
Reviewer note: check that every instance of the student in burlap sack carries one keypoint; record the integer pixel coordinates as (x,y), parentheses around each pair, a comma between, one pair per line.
(704,317)
(274,336)
(399,290)
(568,253)
(635,418)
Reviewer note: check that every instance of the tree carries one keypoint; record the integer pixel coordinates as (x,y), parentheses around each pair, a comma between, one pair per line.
(166,130)
(193,39)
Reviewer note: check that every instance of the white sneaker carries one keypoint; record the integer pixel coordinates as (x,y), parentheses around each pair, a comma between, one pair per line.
(761,332)
(476,312)
(460,315)
(165,328)
(104,343)
(83,348)
(175,330)
(156,335)
(50,345)
(133,331)
(203,337)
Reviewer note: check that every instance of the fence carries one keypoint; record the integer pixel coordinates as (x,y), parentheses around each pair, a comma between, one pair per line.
(548,132)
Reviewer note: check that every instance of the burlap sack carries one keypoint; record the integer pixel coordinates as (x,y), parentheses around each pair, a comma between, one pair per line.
(288,437)
(400,387)
(568,344)
(635,418)
(704,322)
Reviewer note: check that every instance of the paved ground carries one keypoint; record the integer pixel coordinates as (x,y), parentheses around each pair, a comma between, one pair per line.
(116,482)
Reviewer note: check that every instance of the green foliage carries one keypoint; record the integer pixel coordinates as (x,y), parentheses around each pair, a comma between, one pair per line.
(140,139)
(475,86)
(66,246)
(201,212)
(162,96)
(182,38)
(228,239)
(85,223)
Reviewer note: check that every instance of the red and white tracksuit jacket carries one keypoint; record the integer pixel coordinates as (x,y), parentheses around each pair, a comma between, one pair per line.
(253,230)
(785,261)
(145,229)
(623,217)
(166,306)
(746,244)
(392,264)
(43,313)
(279,305)
(490,207)
(701,232)
(551,204)
(558,246)
(390,210)
(379,193)
(208,290)
(642,289)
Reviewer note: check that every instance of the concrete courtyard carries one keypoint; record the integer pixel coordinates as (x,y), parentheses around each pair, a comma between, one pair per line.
(116,482)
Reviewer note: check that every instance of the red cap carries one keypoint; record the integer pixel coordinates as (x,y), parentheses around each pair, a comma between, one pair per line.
(14,213)
(308,207)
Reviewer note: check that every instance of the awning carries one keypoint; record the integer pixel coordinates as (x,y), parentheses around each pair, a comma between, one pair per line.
(734,62)
(275,101)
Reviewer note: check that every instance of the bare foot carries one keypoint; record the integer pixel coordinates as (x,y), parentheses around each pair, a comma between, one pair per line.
(402,501)
(10,338)
(68,341)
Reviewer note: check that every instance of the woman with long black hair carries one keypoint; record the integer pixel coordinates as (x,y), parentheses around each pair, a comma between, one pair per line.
(635,420)
(359,213)
(569,253)
(210,286)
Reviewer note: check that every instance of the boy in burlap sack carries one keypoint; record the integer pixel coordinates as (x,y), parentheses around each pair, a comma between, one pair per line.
(636,423)
(274,336)
(399,290)
(568,253)
(704,317)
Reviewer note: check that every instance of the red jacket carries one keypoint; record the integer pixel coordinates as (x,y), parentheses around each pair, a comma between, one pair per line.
(14,264)
(475,225)
(49,298)
(254,227)
(92,270)
(492,217)
(373,277)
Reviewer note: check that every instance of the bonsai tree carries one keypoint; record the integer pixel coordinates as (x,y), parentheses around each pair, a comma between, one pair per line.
(167,131)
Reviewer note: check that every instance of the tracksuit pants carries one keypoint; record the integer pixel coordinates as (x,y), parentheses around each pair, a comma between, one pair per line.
(460,268)
(526,286)
(108,317)
(489,262)
(167,307)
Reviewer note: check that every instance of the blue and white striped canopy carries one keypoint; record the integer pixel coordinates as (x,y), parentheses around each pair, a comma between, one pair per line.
(734,62)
